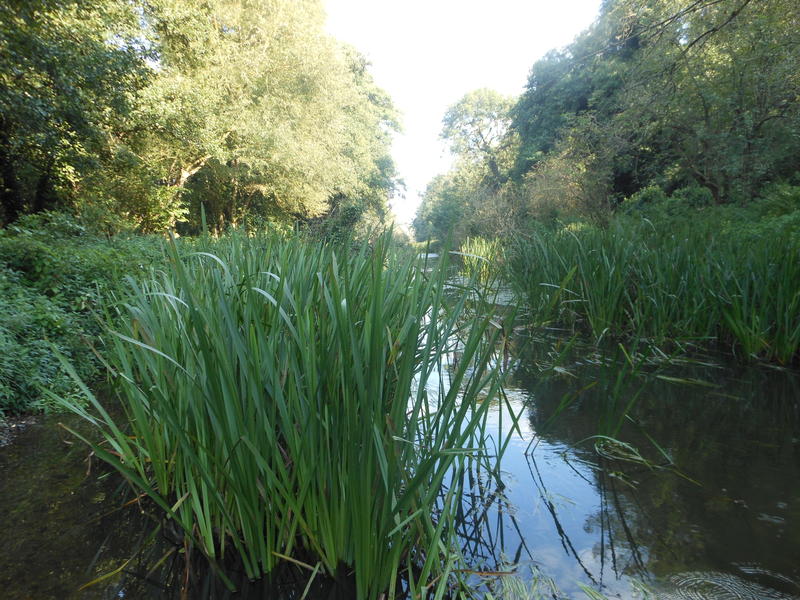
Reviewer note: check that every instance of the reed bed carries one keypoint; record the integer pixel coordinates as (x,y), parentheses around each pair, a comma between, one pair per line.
(482,259)
(689,285)
(284,402)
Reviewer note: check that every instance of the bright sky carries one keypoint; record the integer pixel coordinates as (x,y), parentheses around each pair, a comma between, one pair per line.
(428,53)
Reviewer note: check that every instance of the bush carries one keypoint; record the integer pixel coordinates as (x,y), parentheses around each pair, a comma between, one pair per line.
(32,328)
(648,196)
(694,196)
(54,275)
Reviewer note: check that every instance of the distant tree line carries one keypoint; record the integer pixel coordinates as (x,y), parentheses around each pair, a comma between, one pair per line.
(699,99)
(145,113)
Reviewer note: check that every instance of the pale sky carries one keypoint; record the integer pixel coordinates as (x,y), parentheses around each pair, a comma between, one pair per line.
(428,53)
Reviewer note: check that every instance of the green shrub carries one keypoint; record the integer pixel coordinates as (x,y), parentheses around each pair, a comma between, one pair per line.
(778,200)
(38,262)
(645,197)
(32,327)
(54,275)
(694,196)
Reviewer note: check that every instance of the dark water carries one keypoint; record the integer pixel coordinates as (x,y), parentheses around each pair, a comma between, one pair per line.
(58,518)
(722,520)
(67,521)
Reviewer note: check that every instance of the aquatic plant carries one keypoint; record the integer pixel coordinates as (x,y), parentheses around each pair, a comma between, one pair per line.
(482,258)
(686,285)
(284,401)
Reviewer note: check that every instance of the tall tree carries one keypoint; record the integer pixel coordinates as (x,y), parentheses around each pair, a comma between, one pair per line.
(477,128)
(257,87)
(669,92)
(716,91)
(69,70)
(122,103)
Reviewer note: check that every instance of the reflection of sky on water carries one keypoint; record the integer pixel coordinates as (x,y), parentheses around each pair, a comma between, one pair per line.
(553,498)
(564,515)
(735,535)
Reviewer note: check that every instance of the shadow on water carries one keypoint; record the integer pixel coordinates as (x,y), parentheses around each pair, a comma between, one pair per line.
(68,521)
(57,509)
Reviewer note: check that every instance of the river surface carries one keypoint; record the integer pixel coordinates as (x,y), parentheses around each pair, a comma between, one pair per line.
(719,519)
(59,517)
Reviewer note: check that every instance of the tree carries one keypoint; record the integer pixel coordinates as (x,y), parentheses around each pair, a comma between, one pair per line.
(150,108)
(442,208)
(258,88)
(472,199)
(477,128)
(716,92)
(69,70)
(684,92)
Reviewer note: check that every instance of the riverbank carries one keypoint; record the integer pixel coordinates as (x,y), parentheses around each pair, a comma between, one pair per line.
(56,274)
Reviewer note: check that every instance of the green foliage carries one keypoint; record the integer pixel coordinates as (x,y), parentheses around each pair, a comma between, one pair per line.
(562,86)
(694,196)
(654,203)
(698,100)
(684,96)
(777,200)
(472,199)
(442,210)
(68,73)
(482,259)
(67,261)
(32,327)
(648,196)
(281,123)
(54,275)
(477,128)
(149,110)
(703,278)
(281,398)
(457,205)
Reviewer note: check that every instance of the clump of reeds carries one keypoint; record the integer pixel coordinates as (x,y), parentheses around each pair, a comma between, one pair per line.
(688,285)
(282,398)
(482,259)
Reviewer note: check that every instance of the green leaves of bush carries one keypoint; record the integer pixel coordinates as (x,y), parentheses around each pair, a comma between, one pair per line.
(54,274)
(31,328)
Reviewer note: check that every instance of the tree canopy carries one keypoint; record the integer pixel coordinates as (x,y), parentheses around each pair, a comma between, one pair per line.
(677,94)
(150,110)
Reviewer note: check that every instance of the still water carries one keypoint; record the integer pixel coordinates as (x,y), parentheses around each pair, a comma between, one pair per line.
(719,519)
(59,521)
(709,508)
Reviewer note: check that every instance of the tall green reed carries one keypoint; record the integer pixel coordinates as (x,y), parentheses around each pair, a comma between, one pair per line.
(281,401)
(688,284)
(482,259)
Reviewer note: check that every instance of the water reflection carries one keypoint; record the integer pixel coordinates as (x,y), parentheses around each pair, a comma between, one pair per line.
(724,516)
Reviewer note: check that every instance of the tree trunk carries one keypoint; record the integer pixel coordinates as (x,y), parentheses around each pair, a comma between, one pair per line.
(11,198)
(182,177)
(45,197)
